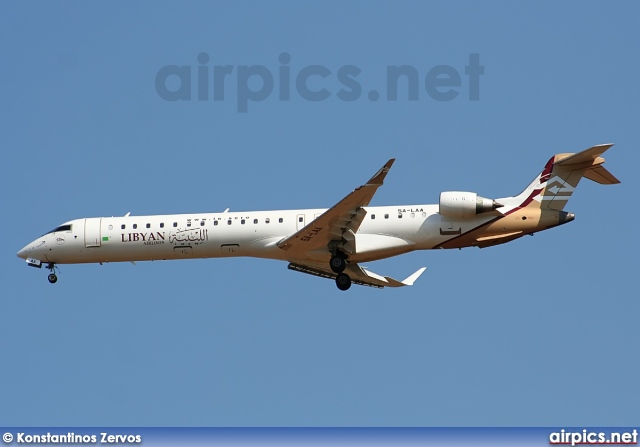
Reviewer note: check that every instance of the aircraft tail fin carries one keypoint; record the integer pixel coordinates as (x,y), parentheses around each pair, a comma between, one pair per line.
(559,179)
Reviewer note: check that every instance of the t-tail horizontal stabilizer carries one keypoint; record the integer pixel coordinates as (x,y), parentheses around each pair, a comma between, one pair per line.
(590,160)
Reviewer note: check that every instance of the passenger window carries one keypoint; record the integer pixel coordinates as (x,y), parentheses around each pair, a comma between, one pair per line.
(300,219)
(215,223)
(255,221)
(188,223)
(175,224)
(267,220)
(413,214)
(242,221)
(135,226)
(161,224)
(202,223)
(386,216)
(148,225)
(122,227)
(280,220)
(399,215)
(111,227)
(373,216)
(229,222)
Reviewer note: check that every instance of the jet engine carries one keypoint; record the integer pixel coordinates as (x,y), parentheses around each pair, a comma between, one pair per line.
(461,205)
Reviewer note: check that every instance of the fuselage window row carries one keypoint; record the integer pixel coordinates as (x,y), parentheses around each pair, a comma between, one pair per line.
(202,223)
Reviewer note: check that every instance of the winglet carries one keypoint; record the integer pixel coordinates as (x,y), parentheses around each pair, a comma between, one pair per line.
(407,282)
(411,279)
(379,176)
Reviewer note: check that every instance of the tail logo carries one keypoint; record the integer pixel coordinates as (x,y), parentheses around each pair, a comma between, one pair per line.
(559,187)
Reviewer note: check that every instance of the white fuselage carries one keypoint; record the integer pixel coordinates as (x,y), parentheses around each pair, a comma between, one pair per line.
(331,242)
(385,231)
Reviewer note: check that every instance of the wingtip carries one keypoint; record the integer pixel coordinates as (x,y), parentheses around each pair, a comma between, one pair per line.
(378,177)
(411,279)
(389,163)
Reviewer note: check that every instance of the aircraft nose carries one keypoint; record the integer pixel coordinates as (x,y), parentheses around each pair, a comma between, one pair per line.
(32,250)
(23,253)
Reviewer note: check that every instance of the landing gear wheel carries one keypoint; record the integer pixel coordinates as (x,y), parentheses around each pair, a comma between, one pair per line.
(343,281)
(337,264)
(52,275)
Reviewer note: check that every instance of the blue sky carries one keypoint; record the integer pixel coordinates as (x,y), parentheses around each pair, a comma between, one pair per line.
(541,331)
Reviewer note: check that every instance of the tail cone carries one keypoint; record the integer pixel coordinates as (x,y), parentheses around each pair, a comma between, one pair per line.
(564,217)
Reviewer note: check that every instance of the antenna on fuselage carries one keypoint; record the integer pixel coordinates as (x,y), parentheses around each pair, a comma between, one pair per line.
(127,215)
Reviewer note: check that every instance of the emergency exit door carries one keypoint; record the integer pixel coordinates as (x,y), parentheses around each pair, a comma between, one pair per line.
(300,222)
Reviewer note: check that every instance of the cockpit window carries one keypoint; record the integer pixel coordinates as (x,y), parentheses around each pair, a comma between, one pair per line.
(60,228)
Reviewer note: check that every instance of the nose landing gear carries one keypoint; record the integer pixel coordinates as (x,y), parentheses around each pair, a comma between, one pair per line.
(53,278)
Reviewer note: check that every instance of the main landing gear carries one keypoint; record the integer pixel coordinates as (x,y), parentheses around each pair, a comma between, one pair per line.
(338,264)
(53,278)
(343,281)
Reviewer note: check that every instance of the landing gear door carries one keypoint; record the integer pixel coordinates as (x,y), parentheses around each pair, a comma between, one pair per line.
(92,232)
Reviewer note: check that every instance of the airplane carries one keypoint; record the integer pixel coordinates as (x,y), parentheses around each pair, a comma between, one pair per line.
(330,243)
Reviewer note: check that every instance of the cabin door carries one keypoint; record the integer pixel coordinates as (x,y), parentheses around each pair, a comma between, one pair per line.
(92,232)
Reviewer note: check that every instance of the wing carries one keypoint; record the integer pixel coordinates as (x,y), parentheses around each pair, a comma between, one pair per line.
(359,275)
(339,224)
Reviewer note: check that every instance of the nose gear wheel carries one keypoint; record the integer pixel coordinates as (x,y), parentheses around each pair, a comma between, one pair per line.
(53,278)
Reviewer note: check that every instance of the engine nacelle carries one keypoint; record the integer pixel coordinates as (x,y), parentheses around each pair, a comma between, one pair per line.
(461,205)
